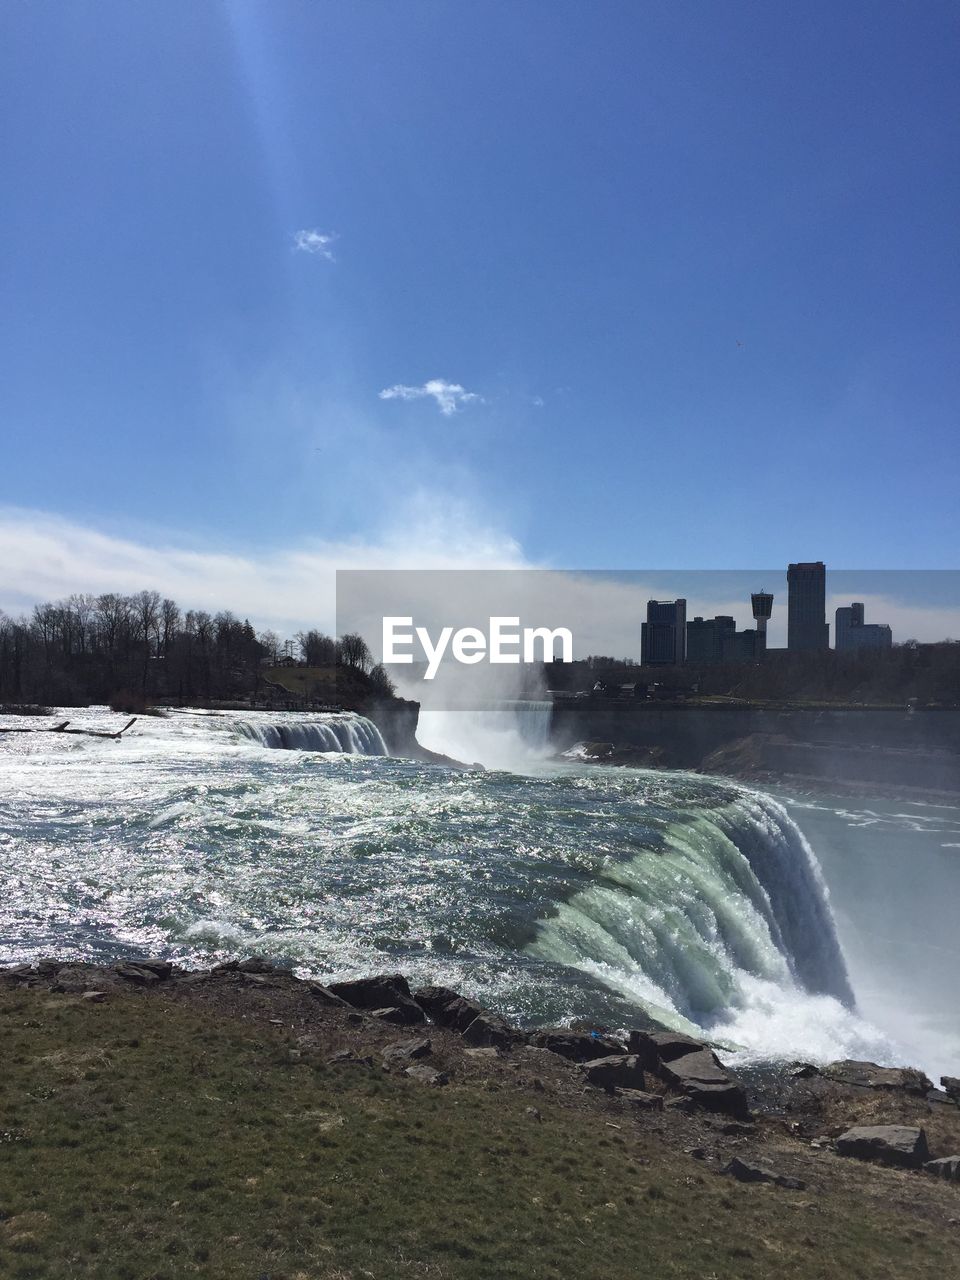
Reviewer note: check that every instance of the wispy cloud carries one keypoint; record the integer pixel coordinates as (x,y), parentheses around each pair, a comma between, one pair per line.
(310,240)
(448,395)
(46,557)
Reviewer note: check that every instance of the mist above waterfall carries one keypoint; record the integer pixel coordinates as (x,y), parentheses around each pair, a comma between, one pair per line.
(497,716)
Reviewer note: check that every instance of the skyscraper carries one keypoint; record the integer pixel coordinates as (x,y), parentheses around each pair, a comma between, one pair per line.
(852,632)
(807,606)
(663,636)
(708,639)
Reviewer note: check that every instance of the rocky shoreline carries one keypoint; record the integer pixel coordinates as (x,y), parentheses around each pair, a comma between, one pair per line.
(742,763)
(774,1124)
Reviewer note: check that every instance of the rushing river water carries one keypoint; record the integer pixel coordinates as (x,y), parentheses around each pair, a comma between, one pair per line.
(554,893)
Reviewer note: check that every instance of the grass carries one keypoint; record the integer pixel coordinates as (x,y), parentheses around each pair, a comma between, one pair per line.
(142,1139)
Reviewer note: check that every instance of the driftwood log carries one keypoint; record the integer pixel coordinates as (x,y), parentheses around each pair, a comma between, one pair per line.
(89,733)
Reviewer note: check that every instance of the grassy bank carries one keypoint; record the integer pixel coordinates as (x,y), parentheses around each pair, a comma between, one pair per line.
(145,1137)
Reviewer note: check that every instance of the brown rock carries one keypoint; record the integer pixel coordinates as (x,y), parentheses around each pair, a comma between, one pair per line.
(896,1144)
(325,996)
(705,1082)
(577,1046)
(870,1076)
(489,1030)
(617,1071)
(427,1075)
(382,991)
(745,1172)
(405,1050)
(946,1167)
(655,1047)
(641,1100)
(136,973)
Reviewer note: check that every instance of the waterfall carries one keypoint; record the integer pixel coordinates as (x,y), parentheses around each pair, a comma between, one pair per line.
(348,733)
(724,918)
(503,734)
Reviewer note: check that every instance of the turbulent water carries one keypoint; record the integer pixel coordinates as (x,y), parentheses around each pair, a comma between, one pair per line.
(564,892)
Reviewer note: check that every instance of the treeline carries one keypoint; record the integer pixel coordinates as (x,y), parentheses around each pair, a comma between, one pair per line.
(143,648)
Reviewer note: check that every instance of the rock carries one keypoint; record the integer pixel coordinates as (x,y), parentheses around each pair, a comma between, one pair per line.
(347,1057)
(404,1050)
(94,997)
(705,1082)
(655,1047)
(382,991)
(194,979)
(227,966)
(77,978)
(19,973)
(533,1113)
(48,968)
(487,1051)
(733,1128)
(578,1046)
(256,964)
(162,968)
(940,1098)
(946,1167)
(446,1008)
(259,979)
(477,1025)
(896,1144)
(641,1100)
(618,1071)
(427,1075)
(325,995)
(135,973)
(745,1172)
(400,1017)
(489,1030)
(803,1070)
(434,1000)
(870,1076)
(951,1087)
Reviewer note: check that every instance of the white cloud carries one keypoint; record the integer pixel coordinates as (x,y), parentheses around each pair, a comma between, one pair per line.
(45,557)
(448,395)
(310,240)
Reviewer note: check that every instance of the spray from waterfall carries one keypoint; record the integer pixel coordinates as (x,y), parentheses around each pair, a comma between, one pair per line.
(496,715)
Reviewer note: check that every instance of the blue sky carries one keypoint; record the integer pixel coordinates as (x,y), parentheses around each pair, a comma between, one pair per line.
(694,268)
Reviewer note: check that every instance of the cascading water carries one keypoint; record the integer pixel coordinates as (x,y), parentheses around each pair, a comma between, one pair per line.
(721,921)
(549,891)
(352,734)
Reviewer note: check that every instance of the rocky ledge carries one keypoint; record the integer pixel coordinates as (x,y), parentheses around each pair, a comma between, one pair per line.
(436,1036)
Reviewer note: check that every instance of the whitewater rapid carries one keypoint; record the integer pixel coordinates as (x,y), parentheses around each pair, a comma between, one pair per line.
(551,893)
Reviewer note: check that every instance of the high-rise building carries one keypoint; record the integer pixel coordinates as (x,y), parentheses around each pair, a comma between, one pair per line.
(762,605)
(708,638)
(807,606)
(664,634)
(851,632)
